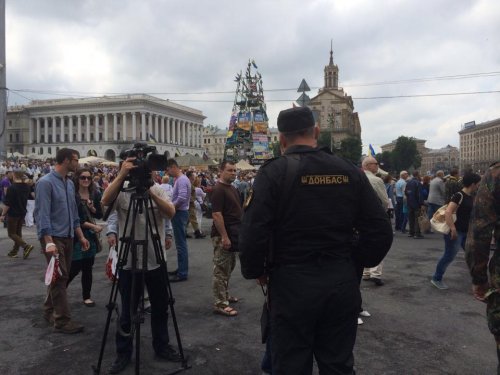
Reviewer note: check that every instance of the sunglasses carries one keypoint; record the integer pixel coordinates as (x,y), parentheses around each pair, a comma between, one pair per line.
(83,178)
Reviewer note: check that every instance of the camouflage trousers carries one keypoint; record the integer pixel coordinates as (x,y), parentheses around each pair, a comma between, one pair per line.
(224,262)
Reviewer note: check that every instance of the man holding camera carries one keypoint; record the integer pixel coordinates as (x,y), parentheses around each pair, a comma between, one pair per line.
(157,289)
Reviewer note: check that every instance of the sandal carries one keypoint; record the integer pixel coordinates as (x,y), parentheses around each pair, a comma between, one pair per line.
(225,311)
(89,303)
(233,299)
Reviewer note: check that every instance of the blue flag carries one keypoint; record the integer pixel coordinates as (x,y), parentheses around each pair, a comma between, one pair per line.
(372,151)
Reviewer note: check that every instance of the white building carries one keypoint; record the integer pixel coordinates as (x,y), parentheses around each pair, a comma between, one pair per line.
(104,126)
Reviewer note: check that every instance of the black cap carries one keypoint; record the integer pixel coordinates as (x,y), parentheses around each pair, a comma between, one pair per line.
(295,119)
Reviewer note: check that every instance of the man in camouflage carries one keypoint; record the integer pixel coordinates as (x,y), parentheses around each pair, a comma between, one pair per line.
(485,222)
(452,185)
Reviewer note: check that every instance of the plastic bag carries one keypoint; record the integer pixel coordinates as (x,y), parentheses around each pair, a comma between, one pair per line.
(111,263)
(53,271)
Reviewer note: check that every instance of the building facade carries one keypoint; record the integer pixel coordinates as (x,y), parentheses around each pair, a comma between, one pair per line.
(214,140)
(420,146)
(104,126)
(479,145)
(444,159)
(334,109)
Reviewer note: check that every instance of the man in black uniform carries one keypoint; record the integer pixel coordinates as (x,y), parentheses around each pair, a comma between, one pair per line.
(313,287)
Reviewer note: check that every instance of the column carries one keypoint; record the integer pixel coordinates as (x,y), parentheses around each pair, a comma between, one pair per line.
(143,126)
(115,127)
(87,128)
(157,132)
(105,135)
(30,130)
(46,132)
(150,125)
(177,131)
(134,127)
(38,130)
(124,126)
(70,133)
(167,140)
(54,133)
(79,128)
(162,127)
(184,131)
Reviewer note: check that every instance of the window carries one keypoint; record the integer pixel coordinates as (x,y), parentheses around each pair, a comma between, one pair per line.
(10,137)
(66,137)
(58,138)
(33,150)
(118,135)
(100,136)
(74,137)
(91,136)
(49,150)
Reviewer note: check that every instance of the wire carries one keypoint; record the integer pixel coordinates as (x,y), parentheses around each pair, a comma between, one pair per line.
(392,82)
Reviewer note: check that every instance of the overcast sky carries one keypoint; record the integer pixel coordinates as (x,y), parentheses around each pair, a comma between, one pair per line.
(173,49)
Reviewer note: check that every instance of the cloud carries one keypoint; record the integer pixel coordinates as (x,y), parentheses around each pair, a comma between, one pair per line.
(166,47)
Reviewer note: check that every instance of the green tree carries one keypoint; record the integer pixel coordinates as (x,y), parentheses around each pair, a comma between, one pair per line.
(275,148)
(325,139)
(405,154)
(350,148)
(385,160)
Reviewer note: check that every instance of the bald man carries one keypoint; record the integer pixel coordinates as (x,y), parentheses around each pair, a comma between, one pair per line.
(370,167)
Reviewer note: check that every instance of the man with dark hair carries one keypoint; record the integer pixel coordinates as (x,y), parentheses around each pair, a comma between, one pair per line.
(16,202)
(58,222)
(180,198)
(226,214)
(485,223)
(297,233)
(415,203)
(161,209)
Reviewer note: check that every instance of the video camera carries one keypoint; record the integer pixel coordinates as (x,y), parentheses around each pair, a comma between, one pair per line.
(146,160)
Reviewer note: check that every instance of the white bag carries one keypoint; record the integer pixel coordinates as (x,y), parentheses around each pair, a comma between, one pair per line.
(111,263)
(53,271)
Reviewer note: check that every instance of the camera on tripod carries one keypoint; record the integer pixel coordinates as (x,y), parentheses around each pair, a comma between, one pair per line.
(146,160)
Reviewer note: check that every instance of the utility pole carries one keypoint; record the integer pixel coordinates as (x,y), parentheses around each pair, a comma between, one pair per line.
(3,84)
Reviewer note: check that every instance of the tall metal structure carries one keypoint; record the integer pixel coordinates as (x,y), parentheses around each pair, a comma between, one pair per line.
(248,134)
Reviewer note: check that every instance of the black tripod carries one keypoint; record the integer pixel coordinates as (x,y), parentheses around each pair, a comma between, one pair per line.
(140,204)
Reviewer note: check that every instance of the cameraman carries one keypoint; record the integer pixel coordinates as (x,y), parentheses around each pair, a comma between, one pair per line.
(157,289)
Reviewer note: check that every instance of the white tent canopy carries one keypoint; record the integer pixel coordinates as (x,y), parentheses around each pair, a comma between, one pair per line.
(244,166)
(92,160)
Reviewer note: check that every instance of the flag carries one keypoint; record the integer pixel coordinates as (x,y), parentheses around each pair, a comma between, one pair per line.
(151,138)
(205,156)
(372,151)
(254,65)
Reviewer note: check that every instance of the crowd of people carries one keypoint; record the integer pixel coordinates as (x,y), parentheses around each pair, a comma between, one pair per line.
(308,252)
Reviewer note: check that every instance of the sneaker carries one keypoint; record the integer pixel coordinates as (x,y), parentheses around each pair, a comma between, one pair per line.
(70,328)
(120,363)
(418,237)
(27,251)
(12,254)
(360,321)
(169,354)
(365,313)
(439,284)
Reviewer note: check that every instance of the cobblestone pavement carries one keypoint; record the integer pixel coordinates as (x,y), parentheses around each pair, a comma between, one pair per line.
(414,328)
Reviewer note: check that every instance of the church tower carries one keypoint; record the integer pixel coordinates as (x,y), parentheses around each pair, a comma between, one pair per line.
(331,73)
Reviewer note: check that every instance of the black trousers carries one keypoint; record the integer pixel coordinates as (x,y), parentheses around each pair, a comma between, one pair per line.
(158,296)
(314,310)
(85,266)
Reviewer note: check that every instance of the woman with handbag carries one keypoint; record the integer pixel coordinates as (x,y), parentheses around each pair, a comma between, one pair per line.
(461,206)
(88,200)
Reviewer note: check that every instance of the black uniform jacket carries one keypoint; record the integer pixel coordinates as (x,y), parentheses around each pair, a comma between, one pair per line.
(329,203)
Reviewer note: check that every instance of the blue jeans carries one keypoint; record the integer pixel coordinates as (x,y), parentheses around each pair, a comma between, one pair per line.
(432,209)
(398,213)
(179,223)
(451,248)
